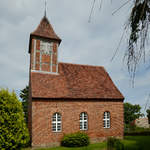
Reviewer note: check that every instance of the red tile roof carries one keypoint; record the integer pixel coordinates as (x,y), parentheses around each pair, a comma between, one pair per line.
(45,30)
(74,81)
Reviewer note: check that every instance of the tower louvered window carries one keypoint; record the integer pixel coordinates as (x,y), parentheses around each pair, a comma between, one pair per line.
(46,47)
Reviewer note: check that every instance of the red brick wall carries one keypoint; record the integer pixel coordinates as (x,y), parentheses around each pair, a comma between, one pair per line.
(30,111)
(42,111)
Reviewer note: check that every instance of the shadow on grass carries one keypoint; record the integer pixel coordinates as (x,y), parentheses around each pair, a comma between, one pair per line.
(137,142)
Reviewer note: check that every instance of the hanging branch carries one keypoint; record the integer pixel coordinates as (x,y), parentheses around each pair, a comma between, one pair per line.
(121,7)
(122,36)
(100,5)
(91,11)
(138,28)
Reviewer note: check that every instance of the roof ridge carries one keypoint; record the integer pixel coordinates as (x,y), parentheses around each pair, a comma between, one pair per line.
(81,64)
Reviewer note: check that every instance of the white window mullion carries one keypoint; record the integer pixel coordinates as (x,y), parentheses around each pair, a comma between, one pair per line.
(82,121)
(47,50)
(34,56)
(51,62)
(82,125)
(56,122)
(40,61)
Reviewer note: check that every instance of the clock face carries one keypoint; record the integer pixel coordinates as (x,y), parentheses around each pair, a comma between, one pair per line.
(46,47)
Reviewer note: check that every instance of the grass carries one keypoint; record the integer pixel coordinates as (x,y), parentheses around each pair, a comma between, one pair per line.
(130,143)
(97,146)
(137,142)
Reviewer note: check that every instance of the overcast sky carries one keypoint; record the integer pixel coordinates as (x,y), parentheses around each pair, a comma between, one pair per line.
(91,43)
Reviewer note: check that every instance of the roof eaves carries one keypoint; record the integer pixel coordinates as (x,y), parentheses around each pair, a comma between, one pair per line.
(87,99)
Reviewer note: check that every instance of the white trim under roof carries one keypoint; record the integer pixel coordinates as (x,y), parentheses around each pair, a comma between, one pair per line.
(45,72)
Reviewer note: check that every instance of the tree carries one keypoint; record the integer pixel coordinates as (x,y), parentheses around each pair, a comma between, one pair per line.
(24,95)
(13,131)
(148,115)
(131,112)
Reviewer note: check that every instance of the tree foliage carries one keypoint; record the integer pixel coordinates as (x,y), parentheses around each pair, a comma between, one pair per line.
(131,112)
(13,131)
(148,115)
(24,95)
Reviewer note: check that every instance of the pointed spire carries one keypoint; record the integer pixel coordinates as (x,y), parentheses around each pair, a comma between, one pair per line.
(45,8)
(45,30)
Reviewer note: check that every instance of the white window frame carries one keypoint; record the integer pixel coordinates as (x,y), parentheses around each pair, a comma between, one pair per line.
(83,121)
(56,122)
(106,119)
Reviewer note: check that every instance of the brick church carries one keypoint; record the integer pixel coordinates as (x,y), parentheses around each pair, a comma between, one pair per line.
(67,98)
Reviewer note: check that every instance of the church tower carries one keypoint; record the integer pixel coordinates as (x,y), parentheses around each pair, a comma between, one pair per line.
(43,48)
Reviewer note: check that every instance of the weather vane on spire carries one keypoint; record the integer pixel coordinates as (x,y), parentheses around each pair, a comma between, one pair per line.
(45,8)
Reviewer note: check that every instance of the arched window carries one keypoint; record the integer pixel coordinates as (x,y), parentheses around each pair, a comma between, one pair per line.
(106,119)
(56,122)
(83,121)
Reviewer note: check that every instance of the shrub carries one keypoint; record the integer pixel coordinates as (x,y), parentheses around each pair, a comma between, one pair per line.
(75,140)
(110,143)
(114,144)
(13,130)
(118,145)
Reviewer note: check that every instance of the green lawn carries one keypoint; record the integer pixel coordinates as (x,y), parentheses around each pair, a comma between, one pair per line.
(130,143)
(137,142)
(97,146)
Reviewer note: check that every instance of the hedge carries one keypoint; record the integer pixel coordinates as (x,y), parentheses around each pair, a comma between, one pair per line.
(75,140)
